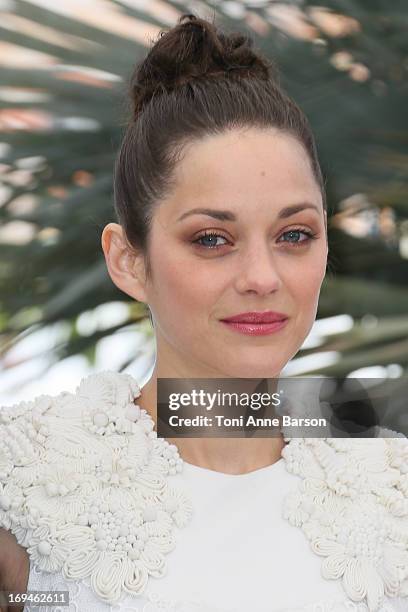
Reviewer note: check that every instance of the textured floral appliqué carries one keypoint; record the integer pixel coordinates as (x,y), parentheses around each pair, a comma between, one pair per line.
(84,486)
(355,514)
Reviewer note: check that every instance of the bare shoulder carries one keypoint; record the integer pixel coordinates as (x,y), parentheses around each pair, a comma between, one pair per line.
(14,565)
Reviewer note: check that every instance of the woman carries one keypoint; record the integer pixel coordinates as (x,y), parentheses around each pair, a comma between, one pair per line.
(221,208)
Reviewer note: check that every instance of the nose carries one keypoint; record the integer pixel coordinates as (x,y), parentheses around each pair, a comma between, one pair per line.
(258,273)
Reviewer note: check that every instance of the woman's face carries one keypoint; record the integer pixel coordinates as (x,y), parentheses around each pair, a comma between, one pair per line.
(261,257)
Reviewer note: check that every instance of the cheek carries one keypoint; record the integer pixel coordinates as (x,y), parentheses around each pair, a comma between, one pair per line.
(182,286)
(305,281)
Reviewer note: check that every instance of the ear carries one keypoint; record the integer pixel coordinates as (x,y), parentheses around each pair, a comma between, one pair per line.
(126,267)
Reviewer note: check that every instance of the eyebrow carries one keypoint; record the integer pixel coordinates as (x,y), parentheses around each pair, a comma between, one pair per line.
(226,215)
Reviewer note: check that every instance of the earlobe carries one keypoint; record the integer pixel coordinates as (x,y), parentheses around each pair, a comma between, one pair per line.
(125,266)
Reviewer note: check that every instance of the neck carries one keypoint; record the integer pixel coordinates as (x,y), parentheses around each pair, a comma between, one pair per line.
(227,455)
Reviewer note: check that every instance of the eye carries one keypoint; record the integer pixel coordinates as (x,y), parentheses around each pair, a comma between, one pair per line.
(294,237)
(209,240)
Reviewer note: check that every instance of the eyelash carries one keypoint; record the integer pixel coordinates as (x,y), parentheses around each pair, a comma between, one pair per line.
(310,236)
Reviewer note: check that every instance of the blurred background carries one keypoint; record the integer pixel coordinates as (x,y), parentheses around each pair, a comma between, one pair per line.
(64,69)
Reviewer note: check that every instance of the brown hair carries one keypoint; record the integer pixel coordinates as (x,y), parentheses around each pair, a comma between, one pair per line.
(195,81)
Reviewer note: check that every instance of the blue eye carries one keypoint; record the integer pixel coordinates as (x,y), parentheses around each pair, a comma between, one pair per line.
(211,240)
(294,236)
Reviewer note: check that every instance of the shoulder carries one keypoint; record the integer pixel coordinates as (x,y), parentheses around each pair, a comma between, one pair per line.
(350,468)
(108,387)
(43,437)
(47,434)
(352,505)
(24,426)
(83,484)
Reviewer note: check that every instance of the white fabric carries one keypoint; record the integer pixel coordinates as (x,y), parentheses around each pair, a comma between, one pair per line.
(236,552)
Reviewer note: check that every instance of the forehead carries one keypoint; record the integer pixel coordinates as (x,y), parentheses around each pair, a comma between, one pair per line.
(243,167)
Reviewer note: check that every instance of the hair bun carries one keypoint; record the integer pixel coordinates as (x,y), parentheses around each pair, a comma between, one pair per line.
(193,48)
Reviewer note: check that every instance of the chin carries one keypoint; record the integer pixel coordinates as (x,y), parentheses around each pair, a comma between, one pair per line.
(262,370)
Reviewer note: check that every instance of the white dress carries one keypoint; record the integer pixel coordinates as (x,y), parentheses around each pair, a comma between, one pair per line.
(111,514)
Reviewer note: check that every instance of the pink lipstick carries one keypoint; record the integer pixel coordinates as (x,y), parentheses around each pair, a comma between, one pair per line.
(256,323)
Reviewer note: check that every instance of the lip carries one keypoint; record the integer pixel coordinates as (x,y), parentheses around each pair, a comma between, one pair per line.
(268,316)
(256,329)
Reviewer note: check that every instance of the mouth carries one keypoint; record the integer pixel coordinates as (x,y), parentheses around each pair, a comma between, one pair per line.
(255,328)
(267,316)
